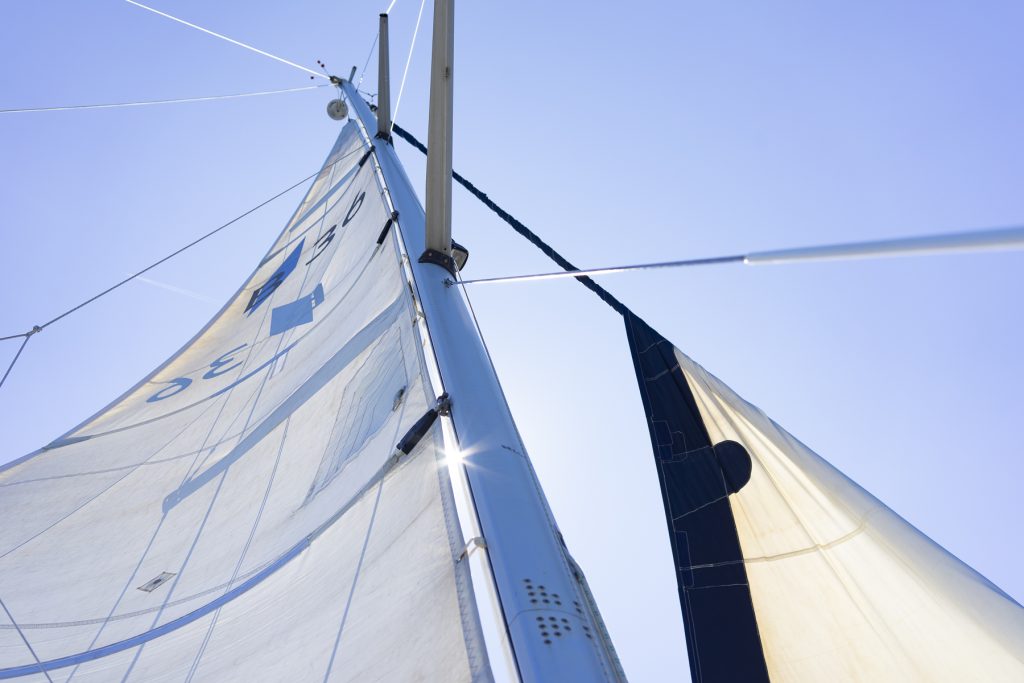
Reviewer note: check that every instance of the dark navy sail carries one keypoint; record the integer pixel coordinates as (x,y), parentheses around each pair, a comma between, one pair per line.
(696,479)
(788,570)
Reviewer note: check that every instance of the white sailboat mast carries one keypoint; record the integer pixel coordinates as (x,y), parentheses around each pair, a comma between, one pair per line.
(553,630)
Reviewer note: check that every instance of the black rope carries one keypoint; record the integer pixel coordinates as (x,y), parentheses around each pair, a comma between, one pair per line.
(530,235)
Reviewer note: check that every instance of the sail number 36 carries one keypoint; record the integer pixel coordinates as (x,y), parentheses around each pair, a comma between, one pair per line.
(224,364)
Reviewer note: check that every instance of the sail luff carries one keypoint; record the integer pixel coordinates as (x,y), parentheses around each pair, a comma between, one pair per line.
(464,516)
(244,513)
(535,583)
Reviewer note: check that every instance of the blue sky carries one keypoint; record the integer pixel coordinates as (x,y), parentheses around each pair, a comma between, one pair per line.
(672,130)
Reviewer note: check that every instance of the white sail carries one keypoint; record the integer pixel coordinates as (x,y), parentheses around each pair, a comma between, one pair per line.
(789,571)
(842,587)
(243,513)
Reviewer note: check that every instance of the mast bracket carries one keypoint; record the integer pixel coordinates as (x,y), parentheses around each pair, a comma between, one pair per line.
(387,227)
(366,156)
(439,258)
(475,543)
(460,254)
(443,405)
(453,262)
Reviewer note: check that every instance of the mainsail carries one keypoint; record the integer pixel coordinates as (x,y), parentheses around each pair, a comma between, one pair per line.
(244,513)
(788,570)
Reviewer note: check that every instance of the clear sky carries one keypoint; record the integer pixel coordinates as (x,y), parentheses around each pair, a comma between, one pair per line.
(621,134)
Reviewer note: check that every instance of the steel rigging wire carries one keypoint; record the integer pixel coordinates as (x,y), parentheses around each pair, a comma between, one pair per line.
(39,328)
(408,61)
(239,43)
(974,240)
(115,105)
(376,37)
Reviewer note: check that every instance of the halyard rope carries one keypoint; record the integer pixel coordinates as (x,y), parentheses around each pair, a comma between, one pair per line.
(516,225)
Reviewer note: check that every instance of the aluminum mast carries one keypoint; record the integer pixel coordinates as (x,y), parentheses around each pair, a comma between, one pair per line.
(553,628)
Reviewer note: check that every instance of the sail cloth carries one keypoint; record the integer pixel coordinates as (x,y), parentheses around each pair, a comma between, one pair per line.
(243,513)
(789,570)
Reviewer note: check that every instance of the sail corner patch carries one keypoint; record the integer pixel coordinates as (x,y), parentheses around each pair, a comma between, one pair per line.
(263,292)
(735,463)
(155,583)
(298,312)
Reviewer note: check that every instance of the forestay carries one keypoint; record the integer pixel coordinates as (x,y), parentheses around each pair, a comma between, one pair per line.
(789,570)
(243,513)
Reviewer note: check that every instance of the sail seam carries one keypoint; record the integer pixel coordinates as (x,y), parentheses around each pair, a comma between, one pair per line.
(175,624)
(792,553)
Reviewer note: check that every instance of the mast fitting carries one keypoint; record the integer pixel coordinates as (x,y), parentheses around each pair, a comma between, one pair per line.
(439,258)
(442,406)
(475,543)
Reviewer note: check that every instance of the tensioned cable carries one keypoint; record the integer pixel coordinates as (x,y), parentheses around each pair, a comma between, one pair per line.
(976,240)
(590,272)
(376,37)
(994,239)
(213,232)
(230,40)
(208,98)
(39,328)
(408,61)
(520,228)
